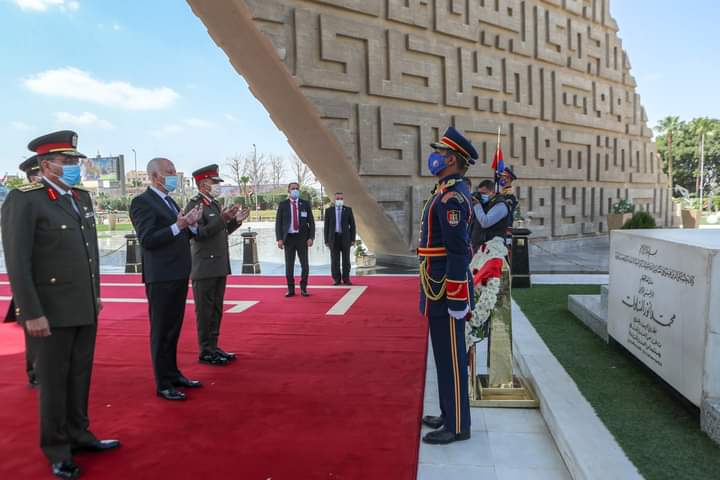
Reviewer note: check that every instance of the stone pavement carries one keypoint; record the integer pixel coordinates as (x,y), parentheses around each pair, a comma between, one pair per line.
(506,444)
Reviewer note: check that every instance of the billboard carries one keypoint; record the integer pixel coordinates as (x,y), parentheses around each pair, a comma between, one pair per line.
(101,168)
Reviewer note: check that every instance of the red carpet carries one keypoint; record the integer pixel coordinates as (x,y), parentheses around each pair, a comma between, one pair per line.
(311,396)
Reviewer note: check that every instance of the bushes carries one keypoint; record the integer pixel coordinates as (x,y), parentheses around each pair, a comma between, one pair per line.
(640,220)
(623,206)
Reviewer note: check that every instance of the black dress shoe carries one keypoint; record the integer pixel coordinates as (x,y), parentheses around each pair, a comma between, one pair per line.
(290,293)
(443,437)
(33,382)
(347,282)
(171,394)
(336,282)
(187,383)
(304,293)
(66,469)
(228,355)
(433,422)
(97,446)
(211,358)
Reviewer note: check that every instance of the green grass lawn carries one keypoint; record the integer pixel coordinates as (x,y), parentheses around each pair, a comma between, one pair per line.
(658,432)
(119,227)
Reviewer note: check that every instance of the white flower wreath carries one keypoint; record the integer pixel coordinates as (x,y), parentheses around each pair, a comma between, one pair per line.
(486,295)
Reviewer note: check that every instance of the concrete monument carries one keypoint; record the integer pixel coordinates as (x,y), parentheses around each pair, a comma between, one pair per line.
(664,307)
(361,88)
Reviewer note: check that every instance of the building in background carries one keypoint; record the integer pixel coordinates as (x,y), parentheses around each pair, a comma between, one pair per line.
(104,174)
(137,181)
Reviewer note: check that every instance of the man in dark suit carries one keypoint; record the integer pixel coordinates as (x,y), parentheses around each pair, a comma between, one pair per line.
(339,233)
(295,232)
(51,255)
(211,262)
(32,172)
(164,232)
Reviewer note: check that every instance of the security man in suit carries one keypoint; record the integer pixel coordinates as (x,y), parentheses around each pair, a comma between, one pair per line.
(492,215)
(211,262)
(295,233)
(51,254)
(32,171)
(446,297)
(339,233)
(164,232)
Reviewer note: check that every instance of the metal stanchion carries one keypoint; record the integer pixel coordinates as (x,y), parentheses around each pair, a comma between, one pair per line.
(520,258)
(251,264)
(133,254)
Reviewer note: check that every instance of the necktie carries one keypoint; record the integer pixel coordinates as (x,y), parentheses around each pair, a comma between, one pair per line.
(295,220)
(338,219)
(72,202)
(171,204)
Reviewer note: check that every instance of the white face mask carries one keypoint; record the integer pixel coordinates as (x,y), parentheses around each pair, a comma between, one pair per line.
(215,190)
(339,203)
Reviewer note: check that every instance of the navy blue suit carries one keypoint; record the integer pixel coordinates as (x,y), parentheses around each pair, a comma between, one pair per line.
(444,249)
(166,270)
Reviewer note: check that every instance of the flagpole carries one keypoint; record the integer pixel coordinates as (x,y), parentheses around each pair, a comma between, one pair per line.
(497,151)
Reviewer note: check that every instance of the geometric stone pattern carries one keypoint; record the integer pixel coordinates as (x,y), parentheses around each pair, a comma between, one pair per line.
(386,77)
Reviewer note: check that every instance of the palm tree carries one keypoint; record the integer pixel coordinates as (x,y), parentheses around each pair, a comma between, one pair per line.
(667,127)
(668,124)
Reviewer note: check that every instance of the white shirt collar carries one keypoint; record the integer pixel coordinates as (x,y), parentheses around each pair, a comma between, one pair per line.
(60,190)
(159,192)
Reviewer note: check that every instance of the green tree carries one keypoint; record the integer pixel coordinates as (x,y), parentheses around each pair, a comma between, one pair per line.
(686,150)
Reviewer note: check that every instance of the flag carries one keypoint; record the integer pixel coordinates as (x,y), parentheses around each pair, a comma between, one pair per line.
(498,164)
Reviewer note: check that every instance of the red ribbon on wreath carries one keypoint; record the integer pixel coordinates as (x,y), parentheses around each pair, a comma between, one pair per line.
(491,269)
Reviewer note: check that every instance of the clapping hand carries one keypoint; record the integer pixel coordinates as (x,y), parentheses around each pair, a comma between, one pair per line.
(194,215)
(230,212)
(242,215)
(190,218)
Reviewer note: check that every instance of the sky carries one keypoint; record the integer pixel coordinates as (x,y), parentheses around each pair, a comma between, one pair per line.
(145,75)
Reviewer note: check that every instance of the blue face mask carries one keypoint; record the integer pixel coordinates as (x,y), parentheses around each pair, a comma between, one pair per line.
(484,197)
(171,183)
(502,181)
(294,194)
(70,175)
(436,163)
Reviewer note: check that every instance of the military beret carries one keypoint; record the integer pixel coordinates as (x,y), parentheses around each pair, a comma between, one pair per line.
(211,172)
(64,141)
(511,173)
(454,140)
(30,165)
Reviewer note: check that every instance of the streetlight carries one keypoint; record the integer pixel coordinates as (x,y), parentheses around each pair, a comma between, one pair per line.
(257,186)
(136,173)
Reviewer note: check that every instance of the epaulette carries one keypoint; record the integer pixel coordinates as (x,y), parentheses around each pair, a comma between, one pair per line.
(453,195)
(29,187)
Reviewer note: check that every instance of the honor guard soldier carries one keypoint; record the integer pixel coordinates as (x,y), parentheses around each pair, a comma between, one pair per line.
(32,171)
(446,297)
(51,254)
(211,262)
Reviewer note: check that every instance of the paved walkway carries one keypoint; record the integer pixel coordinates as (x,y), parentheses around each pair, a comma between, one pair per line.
(506,444)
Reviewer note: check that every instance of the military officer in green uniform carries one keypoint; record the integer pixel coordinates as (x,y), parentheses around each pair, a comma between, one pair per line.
(51,254)
(211,262)
(32,171)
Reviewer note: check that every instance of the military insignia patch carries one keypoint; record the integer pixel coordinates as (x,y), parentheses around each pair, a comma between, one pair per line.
(450,195)
(453,217)
(29,187)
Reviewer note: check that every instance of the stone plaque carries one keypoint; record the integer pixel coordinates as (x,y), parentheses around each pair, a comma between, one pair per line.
(661,306)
